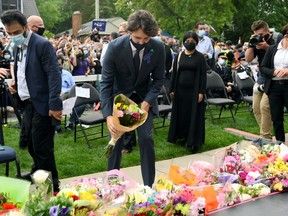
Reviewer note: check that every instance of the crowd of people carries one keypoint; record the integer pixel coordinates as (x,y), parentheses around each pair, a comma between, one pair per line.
(180,66)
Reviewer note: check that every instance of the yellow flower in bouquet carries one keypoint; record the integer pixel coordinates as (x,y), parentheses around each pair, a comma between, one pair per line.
(278,186)
(87,196)
(127,116)
(163,184)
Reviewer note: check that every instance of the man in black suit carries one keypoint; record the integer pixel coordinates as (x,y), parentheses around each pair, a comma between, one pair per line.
(142,83)
(38,85)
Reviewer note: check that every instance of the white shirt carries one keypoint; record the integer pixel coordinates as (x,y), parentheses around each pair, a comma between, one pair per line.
(281,57)
(23,91)
(205,46)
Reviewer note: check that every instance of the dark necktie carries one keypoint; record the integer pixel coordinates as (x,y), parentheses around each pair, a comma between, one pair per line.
(136,60)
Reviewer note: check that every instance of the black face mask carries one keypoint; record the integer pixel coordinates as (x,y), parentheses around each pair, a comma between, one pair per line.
(138,46)
(189,46)
(40,31)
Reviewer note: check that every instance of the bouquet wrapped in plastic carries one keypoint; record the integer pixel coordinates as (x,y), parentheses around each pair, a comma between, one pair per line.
(127,116)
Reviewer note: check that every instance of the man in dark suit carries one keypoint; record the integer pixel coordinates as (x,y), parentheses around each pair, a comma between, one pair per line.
(38,84)
(142,83)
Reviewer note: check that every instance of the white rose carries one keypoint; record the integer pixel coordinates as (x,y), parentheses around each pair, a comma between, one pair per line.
(244,197)
(264,191)
(40,176)
(255,175)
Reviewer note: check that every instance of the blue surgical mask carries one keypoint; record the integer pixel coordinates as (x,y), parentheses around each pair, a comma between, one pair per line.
(222,62)
(201,33)
(85,52)
(18,40)
(7,57)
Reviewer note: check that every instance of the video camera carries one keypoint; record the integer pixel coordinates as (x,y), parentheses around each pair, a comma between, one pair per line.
(255,40)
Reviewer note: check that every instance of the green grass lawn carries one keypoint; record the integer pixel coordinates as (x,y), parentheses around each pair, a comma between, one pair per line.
(75,159)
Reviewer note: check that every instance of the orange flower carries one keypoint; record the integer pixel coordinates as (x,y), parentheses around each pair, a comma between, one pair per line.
(262,158)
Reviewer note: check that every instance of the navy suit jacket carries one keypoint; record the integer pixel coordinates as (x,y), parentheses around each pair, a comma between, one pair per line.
(43,75)
(118,73)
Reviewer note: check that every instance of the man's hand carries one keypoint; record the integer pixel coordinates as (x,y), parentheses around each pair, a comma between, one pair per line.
(12,87)
(262,45)
(145,106)
(4,73)
(56,114)
(111,127)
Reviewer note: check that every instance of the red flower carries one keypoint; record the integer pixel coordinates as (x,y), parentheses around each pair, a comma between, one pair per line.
(74,197)
(8,206)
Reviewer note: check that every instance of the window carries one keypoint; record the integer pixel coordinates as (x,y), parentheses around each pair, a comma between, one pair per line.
(9,4)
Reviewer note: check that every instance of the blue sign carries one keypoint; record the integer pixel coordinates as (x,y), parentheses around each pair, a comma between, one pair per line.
(100,24)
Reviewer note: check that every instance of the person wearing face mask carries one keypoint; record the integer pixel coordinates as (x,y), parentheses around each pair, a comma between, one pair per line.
(205,45)
(134,65)
(261,107)
(36,25)
(5,59)
(225,73)
(38,85)
(80,63)
(188,85)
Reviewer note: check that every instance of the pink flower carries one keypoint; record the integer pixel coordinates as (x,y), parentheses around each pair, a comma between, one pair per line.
(120,113)
(285,158)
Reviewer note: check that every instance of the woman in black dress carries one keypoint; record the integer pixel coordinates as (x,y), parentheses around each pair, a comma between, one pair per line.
(188,85)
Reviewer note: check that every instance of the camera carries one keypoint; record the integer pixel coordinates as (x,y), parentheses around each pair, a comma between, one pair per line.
(258,88)
(255,40)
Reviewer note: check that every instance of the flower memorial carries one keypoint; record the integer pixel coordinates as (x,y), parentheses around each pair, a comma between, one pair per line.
(246,173)
(127,116)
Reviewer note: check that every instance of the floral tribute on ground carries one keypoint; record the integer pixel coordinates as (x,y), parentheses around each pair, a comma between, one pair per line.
(127,116)
(247,171)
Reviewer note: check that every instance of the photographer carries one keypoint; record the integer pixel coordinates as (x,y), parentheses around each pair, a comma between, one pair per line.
(258,44)
(94,35)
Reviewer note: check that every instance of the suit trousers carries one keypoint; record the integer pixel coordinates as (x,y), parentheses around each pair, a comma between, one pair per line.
(147,152)
(40,134)
(262,113)
(278,98)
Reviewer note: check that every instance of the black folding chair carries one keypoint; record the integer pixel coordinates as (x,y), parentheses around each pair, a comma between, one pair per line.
(165,107)
(221,101)
(246,90)
(91,119)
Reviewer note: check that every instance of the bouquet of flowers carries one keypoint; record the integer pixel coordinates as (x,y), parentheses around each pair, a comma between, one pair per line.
(127,116)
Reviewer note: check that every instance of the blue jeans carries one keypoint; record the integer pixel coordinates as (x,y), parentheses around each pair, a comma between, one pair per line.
(79,110)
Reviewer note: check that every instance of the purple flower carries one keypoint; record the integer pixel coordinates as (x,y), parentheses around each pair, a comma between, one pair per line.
(226,177)
(54,211)
(64,211)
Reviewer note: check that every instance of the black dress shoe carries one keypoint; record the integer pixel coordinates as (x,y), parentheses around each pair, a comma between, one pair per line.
(26,176)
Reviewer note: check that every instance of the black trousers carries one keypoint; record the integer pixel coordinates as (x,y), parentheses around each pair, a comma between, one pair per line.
(278,98)
(40,135)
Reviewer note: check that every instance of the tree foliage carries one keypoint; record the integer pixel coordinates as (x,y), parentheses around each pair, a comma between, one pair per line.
(231,19)
(179,16)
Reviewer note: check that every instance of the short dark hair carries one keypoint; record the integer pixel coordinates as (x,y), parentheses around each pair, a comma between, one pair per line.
(198,23)
(259,24)
(114,35)
(191,34)
(144,20)
(285,30)
(10,16)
